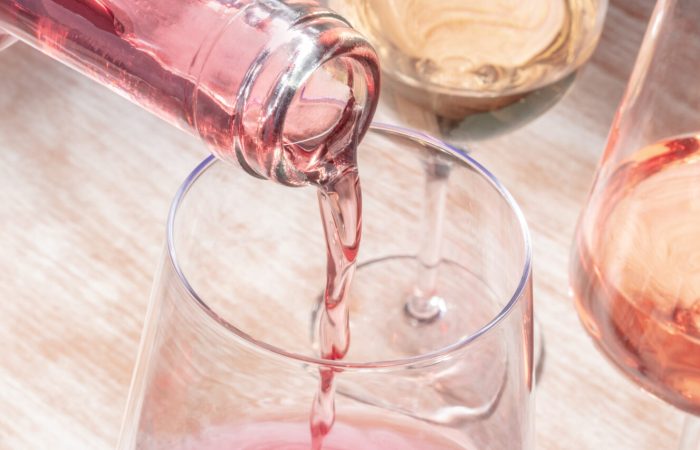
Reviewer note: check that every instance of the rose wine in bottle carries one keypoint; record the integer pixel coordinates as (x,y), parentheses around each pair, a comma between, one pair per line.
(284,89)
(270,85)
(636,270)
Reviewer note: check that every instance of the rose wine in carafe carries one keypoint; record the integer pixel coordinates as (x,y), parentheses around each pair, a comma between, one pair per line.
(266,83)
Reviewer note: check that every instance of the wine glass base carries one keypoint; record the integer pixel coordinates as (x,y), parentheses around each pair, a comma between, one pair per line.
(381,293)
(460,305)
(420,311)
(463,304)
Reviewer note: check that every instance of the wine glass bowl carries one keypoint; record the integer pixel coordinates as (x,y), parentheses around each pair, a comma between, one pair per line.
(635,266)
(460,119)
(227,359)
(635,276)
(481,68)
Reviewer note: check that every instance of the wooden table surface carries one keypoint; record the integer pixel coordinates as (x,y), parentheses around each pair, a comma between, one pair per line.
(85,183)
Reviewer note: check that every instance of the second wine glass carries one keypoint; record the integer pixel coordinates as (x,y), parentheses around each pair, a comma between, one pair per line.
(465,71)
(635,269)
(468,70)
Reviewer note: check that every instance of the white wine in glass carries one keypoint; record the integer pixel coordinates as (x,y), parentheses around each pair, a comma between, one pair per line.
(467,70)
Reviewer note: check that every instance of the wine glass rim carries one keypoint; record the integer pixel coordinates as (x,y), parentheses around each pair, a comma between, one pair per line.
(417,360)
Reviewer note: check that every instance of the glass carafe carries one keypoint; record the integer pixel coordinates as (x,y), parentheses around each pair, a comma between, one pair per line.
(635,269)
(267,83)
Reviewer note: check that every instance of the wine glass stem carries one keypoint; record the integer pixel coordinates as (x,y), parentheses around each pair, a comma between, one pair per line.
(690,439)
(423,304)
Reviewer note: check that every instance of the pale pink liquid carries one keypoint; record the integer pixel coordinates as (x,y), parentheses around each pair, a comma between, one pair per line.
(190,62)
(636,270)
(143,49)
(340,201)
(184,61)
(295,436)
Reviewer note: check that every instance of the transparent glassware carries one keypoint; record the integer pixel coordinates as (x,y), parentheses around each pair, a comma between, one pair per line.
(264,82)
(228,355)
(634,266)
(469,70)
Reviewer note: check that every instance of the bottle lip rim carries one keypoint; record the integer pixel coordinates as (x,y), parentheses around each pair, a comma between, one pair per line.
(345,43)
(425,359)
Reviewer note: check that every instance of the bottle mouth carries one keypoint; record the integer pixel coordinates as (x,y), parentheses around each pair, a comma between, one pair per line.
(319,107)
(326,119)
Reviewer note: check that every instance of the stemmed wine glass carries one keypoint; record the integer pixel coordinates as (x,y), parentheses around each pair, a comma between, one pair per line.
(468,70)
(635,269)
(465,71)
(226,362)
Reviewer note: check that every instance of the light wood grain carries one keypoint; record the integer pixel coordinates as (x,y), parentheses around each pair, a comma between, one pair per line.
(85,183)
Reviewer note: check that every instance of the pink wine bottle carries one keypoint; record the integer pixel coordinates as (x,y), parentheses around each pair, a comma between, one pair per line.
(272,85)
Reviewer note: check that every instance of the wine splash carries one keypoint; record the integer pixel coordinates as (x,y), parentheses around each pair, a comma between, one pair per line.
(635,270)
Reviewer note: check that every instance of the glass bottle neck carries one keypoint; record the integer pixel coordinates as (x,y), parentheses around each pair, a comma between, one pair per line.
(276,86)
(306,98)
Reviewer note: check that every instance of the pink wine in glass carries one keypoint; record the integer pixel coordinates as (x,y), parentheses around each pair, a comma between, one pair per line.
(636,270)
(268,84)
(362,434)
